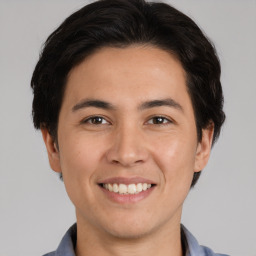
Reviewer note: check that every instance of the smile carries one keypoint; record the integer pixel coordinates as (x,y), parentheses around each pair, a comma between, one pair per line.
(128,189)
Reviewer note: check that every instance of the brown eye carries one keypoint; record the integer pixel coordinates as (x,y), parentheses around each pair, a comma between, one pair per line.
(159,120)
(96,120)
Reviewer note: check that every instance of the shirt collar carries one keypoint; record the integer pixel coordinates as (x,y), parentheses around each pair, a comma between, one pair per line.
(192,248)
(68,243)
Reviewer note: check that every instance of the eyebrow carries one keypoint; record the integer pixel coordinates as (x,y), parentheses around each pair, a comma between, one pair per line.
(93,103)
(169,102)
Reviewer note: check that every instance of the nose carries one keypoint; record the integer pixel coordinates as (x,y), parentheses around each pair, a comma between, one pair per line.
(128,147)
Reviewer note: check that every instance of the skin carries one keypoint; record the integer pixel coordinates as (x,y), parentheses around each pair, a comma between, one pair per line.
(129,140)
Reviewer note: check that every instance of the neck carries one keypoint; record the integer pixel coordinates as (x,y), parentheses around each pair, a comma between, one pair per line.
(92,241)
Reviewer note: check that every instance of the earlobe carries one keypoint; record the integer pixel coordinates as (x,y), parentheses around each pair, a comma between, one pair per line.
(204,148)
(52,150)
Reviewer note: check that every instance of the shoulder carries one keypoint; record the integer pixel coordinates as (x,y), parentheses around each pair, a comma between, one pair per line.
(194,248)
(208,252)
(50,254)
(67,244)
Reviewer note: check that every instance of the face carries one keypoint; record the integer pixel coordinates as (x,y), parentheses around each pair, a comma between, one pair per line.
(127,141)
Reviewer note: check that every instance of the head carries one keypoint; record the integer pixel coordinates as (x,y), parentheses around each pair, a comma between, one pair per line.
(128,92)
(121,24)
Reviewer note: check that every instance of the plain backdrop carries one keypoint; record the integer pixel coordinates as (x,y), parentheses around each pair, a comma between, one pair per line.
(35,211)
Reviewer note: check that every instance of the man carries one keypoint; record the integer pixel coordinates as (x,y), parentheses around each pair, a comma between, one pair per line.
(127,95)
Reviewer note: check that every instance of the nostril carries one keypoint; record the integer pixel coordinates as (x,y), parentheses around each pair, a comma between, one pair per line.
(138,161)
(115,162)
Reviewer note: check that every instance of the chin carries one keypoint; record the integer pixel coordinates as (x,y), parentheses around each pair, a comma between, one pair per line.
(129,233)
(130,228)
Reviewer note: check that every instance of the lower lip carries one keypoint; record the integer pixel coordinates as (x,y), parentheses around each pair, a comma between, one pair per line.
(126,199)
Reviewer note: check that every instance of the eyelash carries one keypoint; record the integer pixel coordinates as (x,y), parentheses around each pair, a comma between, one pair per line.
(90,120)
(164,120)
(97,120)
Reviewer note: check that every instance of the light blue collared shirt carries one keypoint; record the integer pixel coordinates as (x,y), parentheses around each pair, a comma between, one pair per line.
(68,242)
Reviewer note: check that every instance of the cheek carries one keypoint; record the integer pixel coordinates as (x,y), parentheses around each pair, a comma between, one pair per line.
(80,154)
(176,159)
(79,159)
(74,159)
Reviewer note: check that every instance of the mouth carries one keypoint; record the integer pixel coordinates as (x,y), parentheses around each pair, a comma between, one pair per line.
(126,189)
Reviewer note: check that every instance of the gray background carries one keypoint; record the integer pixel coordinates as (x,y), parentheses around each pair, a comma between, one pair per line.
(34,208)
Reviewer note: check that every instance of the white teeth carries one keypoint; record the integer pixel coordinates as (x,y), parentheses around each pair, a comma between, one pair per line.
(115,188)
(127,189)
(144,186)
(110,187)
(139,187)
(131,189)
(122,189)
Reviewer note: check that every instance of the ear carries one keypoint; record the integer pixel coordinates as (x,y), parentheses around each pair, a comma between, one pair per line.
(204,148)
(52,150)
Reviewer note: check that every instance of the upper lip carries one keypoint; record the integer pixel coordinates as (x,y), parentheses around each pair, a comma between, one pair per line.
(126,180)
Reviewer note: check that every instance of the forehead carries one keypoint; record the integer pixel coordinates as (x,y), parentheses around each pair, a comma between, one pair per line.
(133,74)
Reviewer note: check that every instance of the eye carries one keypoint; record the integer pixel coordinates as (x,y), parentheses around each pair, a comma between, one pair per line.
(95,120)
(159,120)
